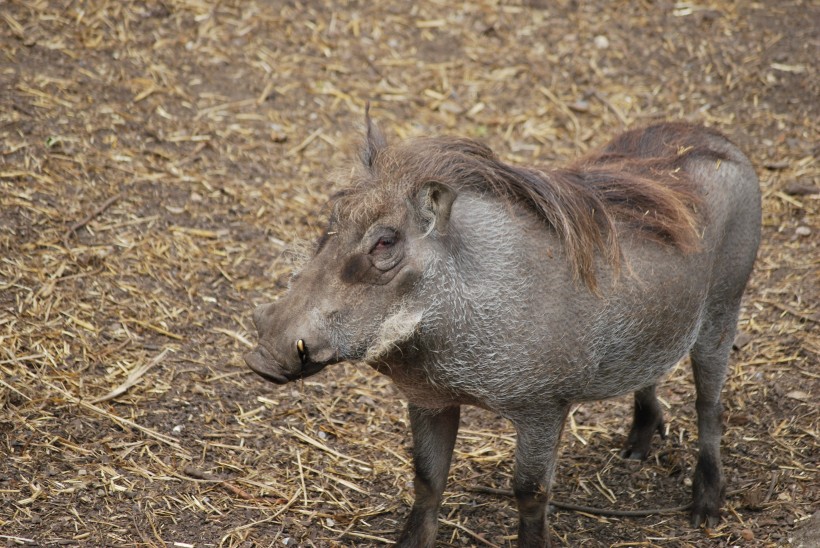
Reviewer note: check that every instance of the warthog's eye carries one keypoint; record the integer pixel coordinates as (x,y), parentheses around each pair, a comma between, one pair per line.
(375,266)
(384,243)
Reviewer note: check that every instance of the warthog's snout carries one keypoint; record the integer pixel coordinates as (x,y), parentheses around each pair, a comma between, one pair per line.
(280,357)
(261,362)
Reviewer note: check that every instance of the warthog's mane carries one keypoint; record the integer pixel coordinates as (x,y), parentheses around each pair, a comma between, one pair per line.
(638,180)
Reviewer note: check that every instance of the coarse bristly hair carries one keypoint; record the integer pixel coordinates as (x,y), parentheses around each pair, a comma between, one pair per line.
(638,180)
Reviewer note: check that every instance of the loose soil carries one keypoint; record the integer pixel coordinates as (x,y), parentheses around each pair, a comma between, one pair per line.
(160,163)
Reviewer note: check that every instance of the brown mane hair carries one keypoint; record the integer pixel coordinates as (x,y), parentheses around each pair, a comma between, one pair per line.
(638,179)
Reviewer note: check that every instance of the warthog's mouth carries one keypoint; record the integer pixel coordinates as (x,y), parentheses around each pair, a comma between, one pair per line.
(261,363)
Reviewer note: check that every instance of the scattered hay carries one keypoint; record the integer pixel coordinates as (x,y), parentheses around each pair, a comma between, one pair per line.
(156,160)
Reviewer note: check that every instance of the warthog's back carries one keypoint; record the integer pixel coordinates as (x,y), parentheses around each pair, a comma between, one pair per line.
(508,304)
(653,317)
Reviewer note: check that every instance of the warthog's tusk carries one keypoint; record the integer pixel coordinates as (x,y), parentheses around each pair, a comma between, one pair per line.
(300,348)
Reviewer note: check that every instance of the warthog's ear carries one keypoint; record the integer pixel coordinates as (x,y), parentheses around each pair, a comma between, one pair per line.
(435,200)
(374,140)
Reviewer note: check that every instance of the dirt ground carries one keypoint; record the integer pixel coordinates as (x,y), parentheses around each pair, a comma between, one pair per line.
(159,163)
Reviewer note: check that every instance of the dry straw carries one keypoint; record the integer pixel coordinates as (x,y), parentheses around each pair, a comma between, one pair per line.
(158,158)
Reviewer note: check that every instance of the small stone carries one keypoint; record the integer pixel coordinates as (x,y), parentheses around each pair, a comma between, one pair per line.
(451,106)
(753,499)
(798,395)
(742,339)
(278,134)
(601,42)
(801,188)
(802,231)
(747,534)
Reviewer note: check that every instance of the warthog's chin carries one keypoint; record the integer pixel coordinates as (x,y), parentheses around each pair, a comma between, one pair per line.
(270,371)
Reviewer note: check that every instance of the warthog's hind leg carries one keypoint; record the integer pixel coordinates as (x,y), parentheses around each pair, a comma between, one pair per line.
(710,356)
(647,419)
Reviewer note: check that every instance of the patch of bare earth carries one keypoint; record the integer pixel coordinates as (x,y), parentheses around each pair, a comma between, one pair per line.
(159,159)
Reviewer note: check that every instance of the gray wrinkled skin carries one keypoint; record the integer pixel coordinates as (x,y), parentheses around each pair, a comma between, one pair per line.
(464,297)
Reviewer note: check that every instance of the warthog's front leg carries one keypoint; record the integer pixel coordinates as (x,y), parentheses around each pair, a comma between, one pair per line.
(434,435)
(535,455)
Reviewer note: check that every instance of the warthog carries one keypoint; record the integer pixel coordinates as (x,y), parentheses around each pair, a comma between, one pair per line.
(470,281)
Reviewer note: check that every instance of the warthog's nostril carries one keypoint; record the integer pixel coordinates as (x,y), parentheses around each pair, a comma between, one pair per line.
(301,349)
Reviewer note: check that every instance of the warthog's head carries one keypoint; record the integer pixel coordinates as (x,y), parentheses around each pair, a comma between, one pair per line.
(358,297)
